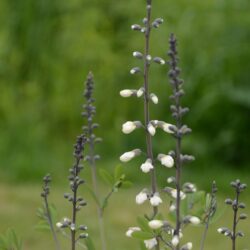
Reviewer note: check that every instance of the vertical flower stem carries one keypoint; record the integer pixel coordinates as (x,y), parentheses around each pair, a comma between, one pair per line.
(146,100)
(74,209)
(95,187)
(235,208)
(58,247)
(146,108)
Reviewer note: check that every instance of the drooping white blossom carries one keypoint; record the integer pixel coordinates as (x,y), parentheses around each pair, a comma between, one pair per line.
(128,127)
(194,220)
(59,225)
(127,92)
(151,243)
(155,224)
(187,246)
(175,240)
(140,92)
(173,193)
(166,127)
(154,98)
(131,230)
(151,129)
(155,200)
(141,198)
(166,160)
(127,156)
(147,166)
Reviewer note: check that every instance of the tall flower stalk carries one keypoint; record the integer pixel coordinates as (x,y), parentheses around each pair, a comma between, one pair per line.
(236,207)
(77,232)
(47,214)
(179,129)
(89,113)
(148,124)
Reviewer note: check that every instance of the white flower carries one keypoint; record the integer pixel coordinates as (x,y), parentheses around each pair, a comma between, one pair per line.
(59,224)
(73,227)
(170,179)
(151,129)
(172,208)
(194,220)
(127,92)
(155,224)
(166,160)
(154,98)
(127,156)
(147,166)
(137,54)
(175,240)
(166,127)
(220,230)
(135,70)
(151,243)
(155,200)
(140,92)
(128,127)
(173,193)
(149,57)
(187,246)
(131,230)
(141,198)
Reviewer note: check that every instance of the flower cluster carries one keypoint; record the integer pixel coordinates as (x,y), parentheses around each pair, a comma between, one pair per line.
(236,205)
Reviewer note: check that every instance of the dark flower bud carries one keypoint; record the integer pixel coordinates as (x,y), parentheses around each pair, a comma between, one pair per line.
(136,27)
(243,216)
(228,201)
(242,205)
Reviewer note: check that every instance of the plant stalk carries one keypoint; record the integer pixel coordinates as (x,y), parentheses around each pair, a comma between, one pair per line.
(235,220)
(57,244)
(146,107)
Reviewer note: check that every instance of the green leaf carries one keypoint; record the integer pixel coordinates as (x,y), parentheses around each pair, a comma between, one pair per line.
(118,172)
(89,244)
(126,184)
(142,235)
(143,224)
(42,226)
(106,176)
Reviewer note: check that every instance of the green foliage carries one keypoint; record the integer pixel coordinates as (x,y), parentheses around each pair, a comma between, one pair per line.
(43,223)
(10,240)
(47,48)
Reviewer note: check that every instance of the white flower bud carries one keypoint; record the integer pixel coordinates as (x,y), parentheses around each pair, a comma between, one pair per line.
(154,98)
(140,92)
(147,166)
(172,208)
(173,193)
(166,160)
(127,92)
(148,57)
(166,127)
(131,230)
(136,27)
(151,243)
(155,224)
(187,246)
(220,230)
(141,198)
(159,60)
(135,70)
(127,156)
(170,179)
(73,227)
(175,240)
(156,200)
(128,127)
(59,225)
(194,220)
(151,129)
(137,54)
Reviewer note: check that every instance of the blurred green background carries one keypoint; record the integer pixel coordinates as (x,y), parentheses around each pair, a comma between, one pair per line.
(46,50)
(47,47)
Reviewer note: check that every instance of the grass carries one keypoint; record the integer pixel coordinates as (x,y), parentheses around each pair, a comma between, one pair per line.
(19,204)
